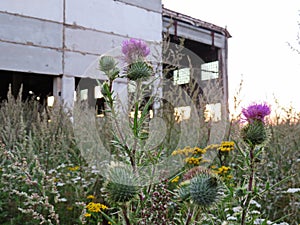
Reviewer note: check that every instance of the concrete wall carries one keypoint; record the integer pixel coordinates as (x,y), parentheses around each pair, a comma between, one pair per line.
(64,37)
(91,28)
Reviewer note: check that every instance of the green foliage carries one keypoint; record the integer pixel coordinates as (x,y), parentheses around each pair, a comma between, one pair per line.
(45,179)
(139,70)
(37,148)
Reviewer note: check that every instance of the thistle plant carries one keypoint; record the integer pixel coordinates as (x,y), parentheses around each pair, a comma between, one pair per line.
(254,134)
(201,189)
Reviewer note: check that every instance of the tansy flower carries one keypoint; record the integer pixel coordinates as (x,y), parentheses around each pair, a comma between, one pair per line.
(75,168)
(95,207)
(199,150)
(193,160)
(87,215)
(223,169)
(226,146)
(175,179)
(90,197)
(229,176)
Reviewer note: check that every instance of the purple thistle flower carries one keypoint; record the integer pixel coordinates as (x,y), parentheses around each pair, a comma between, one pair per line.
(134,49)
(256,112)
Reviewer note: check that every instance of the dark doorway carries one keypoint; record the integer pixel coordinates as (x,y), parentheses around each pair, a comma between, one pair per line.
(36,86)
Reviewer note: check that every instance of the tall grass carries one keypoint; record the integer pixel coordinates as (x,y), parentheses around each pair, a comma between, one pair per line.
(44,179)
(38,155)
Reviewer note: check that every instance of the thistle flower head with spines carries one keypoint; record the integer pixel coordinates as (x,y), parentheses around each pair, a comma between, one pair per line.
(255,132)
(135,49)
(202,187)
(122,184)
(256,112)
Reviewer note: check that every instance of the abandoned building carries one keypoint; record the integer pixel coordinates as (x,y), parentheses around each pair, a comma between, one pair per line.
(48,48)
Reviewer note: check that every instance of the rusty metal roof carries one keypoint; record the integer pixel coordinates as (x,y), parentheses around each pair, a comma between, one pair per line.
(195,22)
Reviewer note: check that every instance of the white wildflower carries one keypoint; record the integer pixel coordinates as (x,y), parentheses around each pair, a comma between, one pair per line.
(292,190)
(255,212)
(52,171)
(237,209)
(231,218)
(253,202)
(59,184)
(62,200)
(261,221)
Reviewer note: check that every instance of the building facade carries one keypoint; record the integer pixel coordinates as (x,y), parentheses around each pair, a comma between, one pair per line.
(49,46)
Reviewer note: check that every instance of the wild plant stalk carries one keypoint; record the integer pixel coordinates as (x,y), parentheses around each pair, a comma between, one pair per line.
(250,193)
(254,134)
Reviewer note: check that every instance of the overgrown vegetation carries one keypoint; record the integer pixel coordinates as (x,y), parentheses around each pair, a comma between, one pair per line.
(54,171)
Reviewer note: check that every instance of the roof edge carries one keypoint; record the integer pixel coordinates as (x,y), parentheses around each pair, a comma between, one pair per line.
(193,21)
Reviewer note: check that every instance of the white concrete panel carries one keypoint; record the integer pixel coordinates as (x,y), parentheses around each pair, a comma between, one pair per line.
(79,65)
(115,17)
(30,59)
(45,9)
(91,41)
(153,5)
(30,31)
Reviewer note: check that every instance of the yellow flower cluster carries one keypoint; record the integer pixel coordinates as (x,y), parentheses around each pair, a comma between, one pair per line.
(95,207)
(226,146)
(75,168)
(175,179)
(199,150)
(90,197)
(212,146)
(193,160)
(229,176)
(188,150)
(223,170)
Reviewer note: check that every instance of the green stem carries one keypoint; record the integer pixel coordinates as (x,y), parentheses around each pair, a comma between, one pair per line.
(250,187)
(189,216)
(124,211)
(137,97)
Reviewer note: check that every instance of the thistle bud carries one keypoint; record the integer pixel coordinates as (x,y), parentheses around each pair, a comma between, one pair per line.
(203,187)
(205,190)
(122,184)
(108,65)
(254,133)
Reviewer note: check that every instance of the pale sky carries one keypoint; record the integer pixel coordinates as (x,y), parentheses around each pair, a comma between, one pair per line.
(258,50)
